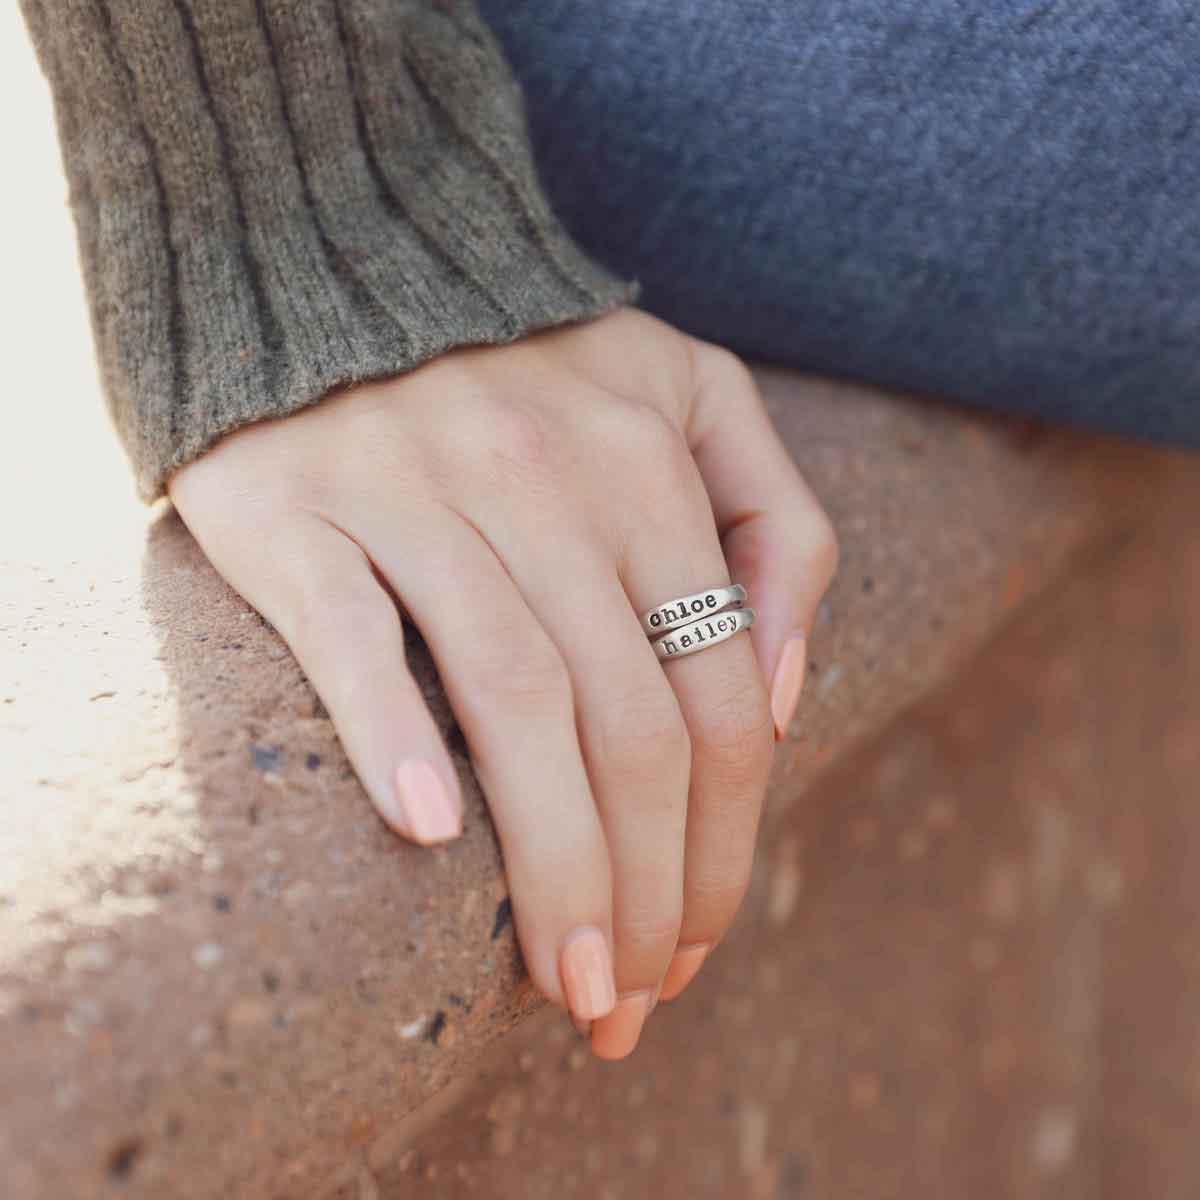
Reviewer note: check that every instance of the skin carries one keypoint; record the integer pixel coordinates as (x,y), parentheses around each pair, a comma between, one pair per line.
(525,503)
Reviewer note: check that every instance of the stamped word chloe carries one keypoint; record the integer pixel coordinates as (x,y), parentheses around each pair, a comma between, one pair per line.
(688,608)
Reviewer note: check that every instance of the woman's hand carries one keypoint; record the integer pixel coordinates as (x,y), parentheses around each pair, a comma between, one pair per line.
(525,503)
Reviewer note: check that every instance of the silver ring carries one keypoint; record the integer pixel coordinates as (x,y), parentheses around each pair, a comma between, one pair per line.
(665,617)
(702,633)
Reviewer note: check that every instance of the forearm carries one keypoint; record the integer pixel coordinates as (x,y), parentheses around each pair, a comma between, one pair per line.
(275,199)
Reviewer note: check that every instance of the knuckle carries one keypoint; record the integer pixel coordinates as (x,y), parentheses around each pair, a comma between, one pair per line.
(649,935)
(674,474)
(825,547)
(734,736)
(667,478)
(650,431)
(648,464)
(323,598)
(722,363)
(525,672)
(338,625)
(517,440)
(719,369)
(713,902)
(645,736)
(639,432)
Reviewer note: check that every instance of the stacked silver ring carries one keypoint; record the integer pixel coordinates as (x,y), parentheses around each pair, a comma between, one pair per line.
(692,623)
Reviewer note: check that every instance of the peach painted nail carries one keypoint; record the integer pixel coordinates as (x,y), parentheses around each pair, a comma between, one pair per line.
(618,1033)
(427,812)
(683,969)
(788,682)
(587,975)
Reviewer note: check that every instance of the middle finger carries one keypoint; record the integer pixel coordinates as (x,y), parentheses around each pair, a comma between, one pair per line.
(633,737)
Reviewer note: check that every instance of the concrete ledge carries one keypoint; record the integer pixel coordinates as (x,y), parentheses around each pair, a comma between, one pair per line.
(220,974)
(966,966)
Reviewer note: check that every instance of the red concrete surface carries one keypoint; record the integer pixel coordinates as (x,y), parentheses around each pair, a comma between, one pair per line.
(219,970)
(969,965)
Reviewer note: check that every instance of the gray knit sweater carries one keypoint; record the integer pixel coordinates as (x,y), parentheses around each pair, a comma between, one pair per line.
(275,197)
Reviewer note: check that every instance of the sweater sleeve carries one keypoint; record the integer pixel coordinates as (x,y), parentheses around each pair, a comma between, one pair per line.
(276,198)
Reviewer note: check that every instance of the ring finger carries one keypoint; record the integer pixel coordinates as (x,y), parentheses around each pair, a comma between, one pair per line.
(724,702)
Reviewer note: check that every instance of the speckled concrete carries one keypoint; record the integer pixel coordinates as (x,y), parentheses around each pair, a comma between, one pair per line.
(218,968)
(968,965)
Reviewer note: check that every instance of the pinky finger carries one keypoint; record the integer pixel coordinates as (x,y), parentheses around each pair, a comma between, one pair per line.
(777,539)
(320,592)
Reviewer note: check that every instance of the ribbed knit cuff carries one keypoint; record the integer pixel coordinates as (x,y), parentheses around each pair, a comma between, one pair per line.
(276,198)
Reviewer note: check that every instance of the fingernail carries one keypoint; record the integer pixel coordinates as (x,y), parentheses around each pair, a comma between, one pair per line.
(427,812)
(583,1028)
(788,683)
(683,969)
(618,1033)
(587,974)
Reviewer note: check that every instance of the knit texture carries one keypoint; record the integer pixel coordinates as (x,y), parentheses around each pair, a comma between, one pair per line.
(274,198)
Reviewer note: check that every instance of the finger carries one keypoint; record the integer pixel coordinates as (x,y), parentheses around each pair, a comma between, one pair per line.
(777,539)
(672,549)
(511,692)
(633,736)
(317,588)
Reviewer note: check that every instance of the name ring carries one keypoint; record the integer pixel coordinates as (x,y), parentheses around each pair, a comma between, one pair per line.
(692,623)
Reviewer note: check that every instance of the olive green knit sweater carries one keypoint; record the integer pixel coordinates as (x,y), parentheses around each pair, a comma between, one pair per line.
(275,197)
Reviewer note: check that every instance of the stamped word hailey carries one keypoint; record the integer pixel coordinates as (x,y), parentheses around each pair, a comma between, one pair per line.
(703,632)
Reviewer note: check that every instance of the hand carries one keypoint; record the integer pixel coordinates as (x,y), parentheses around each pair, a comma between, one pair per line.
(525,503)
